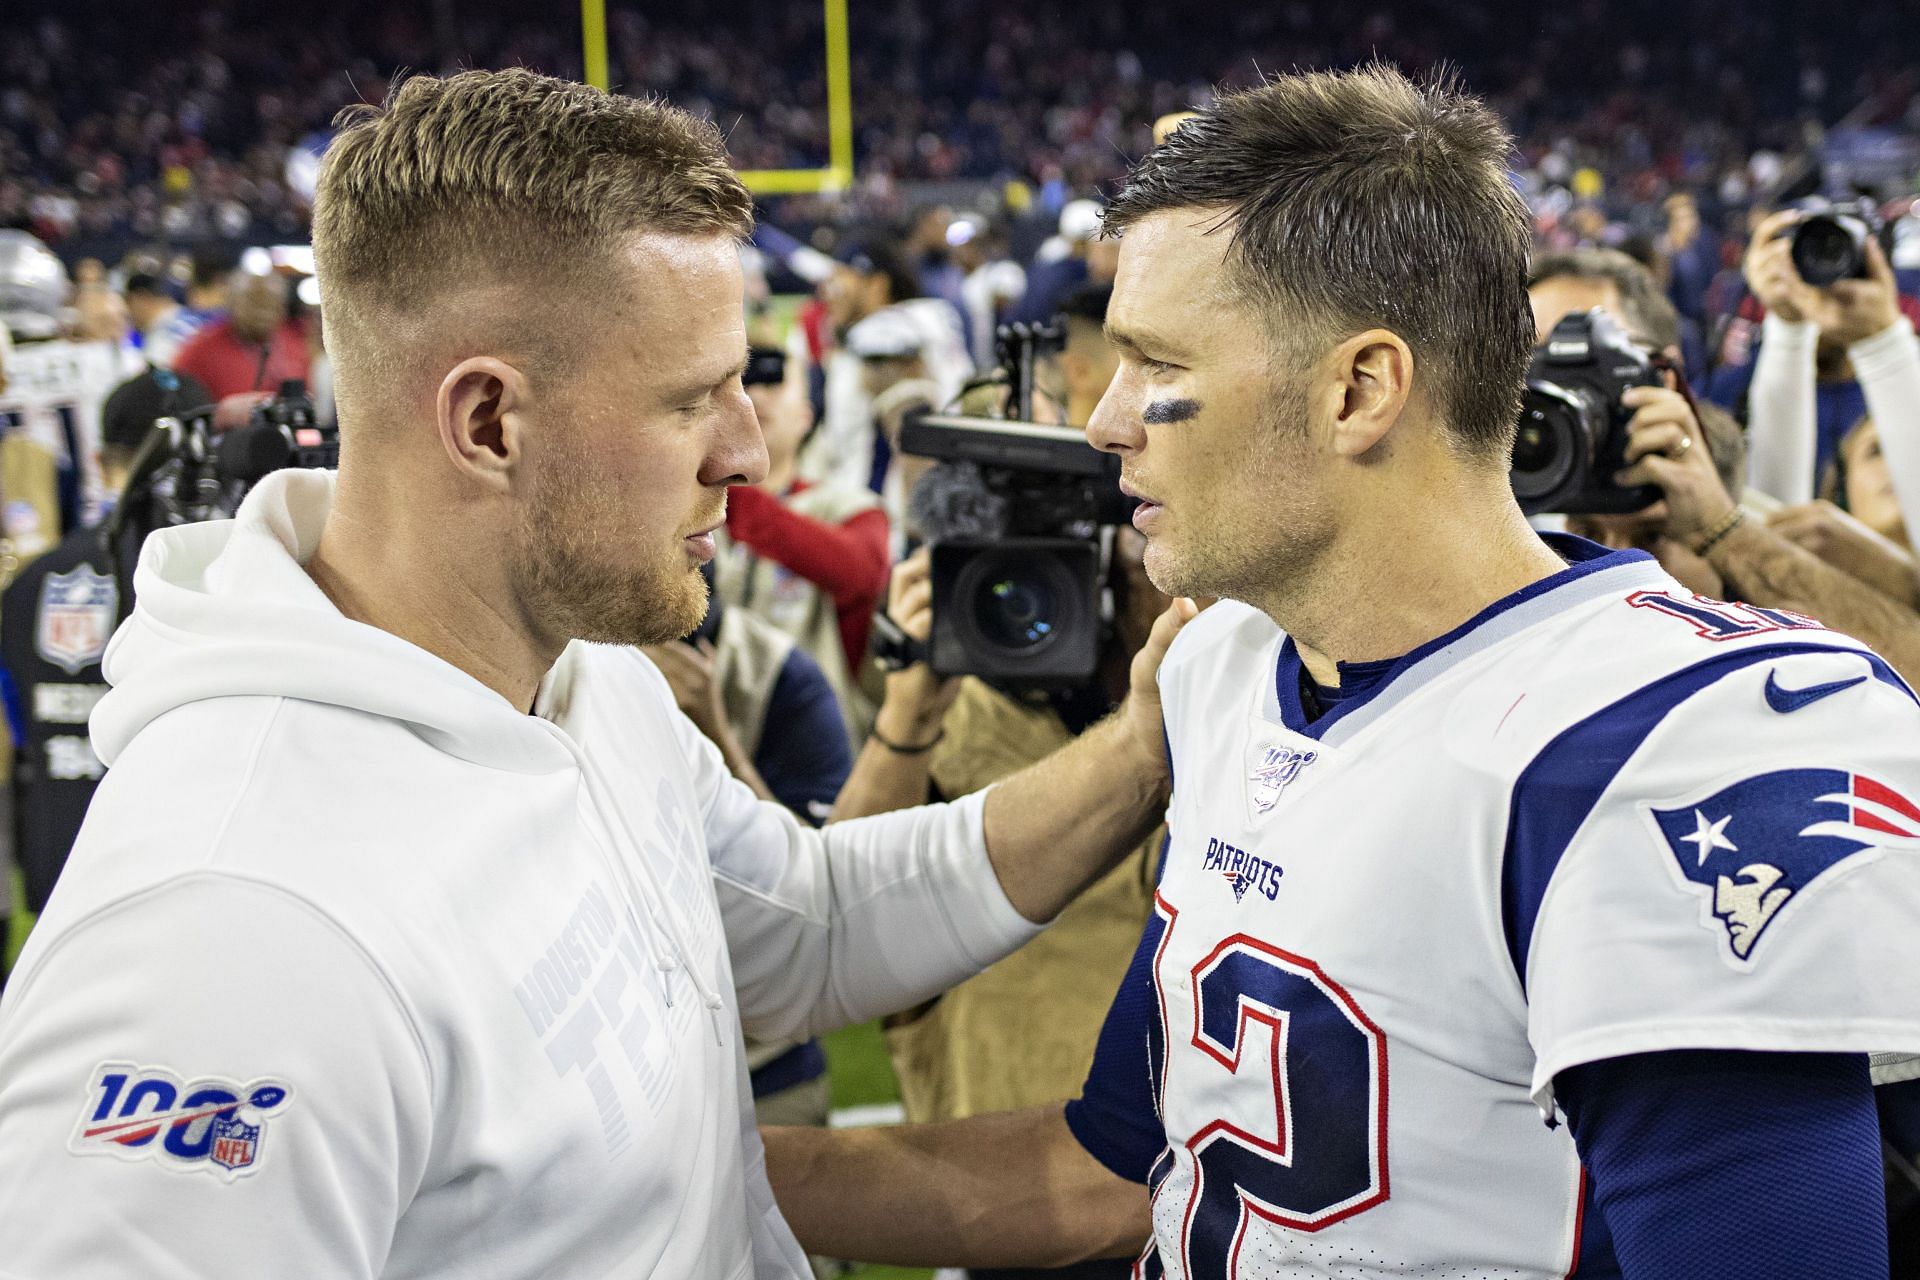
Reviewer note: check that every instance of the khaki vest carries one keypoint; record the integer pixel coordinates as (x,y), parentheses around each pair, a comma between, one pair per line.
(1022,1033)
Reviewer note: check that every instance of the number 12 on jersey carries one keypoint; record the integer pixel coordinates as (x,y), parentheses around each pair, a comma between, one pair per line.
(1303,1143)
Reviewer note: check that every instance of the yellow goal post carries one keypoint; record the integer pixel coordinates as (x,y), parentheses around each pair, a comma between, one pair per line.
(838,175)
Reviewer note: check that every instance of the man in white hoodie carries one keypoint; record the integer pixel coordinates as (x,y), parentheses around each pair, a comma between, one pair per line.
(360,969)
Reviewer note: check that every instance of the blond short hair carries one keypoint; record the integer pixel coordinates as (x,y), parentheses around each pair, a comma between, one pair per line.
(501,177)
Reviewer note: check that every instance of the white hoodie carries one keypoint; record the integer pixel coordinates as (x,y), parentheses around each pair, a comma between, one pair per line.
(413,983)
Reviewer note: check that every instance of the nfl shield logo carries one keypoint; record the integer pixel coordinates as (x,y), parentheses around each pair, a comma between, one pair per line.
(235,1144)
(77,613)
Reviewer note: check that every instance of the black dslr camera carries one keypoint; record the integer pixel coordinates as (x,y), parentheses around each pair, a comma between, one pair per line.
(1013,512)
(1830,243)
(1573,428)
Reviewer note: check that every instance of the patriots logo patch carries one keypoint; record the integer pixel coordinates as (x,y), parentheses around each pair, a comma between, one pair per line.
(1757,845)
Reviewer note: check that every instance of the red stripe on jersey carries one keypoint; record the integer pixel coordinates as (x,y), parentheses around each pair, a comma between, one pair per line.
(1868,789)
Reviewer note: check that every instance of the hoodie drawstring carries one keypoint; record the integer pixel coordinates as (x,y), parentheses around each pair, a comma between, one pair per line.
(647,889)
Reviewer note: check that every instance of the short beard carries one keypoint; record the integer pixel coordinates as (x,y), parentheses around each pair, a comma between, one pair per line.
(1251,554)
(574,589)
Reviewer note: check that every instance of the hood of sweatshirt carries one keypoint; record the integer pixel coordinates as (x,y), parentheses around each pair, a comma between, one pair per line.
(226,609)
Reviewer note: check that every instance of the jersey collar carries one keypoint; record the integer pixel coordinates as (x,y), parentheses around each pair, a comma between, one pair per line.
(1592,571)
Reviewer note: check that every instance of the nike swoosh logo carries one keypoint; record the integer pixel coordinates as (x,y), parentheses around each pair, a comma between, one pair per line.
(1785,700)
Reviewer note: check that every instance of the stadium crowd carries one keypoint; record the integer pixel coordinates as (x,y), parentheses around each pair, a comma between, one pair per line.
(137,126)
(1664,152)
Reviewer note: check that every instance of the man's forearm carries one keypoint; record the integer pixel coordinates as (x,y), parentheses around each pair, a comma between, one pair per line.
(1059,825)
(1015,1189)
(1763,568)
(888,778)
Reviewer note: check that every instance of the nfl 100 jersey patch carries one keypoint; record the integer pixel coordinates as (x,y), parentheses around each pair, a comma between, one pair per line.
(1754,849)
(209,1123)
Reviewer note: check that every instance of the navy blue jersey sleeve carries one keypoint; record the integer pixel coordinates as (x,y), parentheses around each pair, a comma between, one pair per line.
(1117,1115)
(1732,1163)
(804,757)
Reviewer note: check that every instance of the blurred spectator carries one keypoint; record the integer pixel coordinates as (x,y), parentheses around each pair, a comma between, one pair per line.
(809,558)
(1692,256)
(1063,264)
(55,384)
(1800,391)
(1086,361)
(254,348)
(209,291)
(846,451)
(994,282)
(154,314)
(931,255)
(1860,483)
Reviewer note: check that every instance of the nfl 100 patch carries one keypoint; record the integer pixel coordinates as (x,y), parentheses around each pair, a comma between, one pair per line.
(78,610)
(1274,766)
(208,1123)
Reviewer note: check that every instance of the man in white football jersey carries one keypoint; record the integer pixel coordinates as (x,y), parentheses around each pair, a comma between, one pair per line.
(1522,913)
(50,402)
(414,930)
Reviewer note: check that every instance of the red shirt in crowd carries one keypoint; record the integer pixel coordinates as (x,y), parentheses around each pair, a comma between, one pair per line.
(848,561)
(227,364)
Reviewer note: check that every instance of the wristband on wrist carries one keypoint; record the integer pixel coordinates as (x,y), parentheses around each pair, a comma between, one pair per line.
(1720,531)
(901,748)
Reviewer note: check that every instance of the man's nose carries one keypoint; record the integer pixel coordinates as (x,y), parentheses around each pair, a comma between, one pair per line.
(739,452)
(1114,426)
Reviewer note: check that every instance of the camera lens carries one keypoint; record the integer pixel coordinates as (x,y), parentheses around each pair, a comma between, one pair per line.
(1825,249)
(1017,605)
(1014,613)
(1547,443)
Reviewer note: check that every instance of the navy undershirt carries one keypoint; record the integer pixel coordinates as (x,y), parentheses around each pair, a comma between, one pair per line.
(1356,680)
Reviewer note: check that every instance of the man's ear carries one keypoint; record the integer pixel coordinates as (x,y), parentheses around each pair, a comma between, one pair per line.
(482,411)
(1365,384)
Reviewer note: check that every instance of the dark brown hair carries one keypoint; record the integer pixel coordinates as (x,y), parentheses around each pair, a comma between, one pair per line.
(1359,199)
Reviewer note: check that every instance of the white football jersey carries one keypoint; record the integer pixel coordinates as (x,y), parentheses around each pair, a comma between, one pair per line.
(55,391)
(1604,817)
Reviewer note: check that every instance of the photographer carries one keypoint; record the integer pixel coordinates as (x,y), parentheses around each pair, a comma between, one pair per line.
(1564,282)
(1021,1034)
(810,558)
(1828,357)
(1754,563)
(1840,572)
